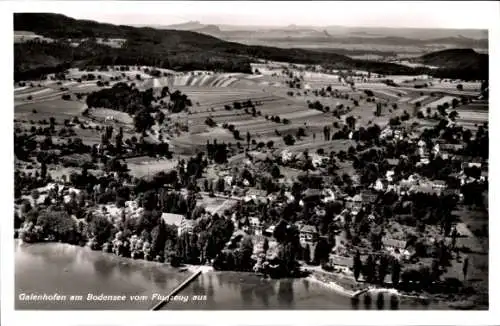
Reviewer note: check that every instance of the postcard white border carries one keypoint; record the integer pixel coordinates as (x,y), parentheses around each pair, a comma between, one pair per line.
(11,317)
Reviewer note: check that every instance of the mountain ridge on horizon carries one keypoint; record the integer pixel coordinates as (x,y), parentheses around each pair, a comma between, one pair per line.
(178,50)
(470,33)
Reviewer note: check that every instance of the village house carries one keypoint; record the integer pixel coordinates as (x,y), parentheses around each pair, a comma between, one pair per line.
(354,203)
(308,233)
(439,185)
(328,195)
(380,185)
(255,225)
(312,195)
(369,196)
(393,162)
(269,231)
(451,148)
(183,225)
(340,218)
(186,226)
(344,264)
(393,245)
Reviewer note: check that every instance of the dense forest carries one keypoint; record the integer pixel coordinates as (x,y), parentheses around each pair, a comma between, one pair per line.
(178,50)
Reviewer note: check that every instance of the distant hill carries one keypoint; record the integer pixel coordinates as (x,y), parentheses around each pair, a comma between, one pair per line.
(189,26)
(458,59)
(257,35)
(172,49)
(212,30)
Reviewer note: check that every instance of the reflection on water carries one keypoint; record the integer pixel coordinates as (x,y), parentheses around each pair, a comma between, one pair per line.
(50,268)
(285,294)
(104,267)
(380,301)
(368,301)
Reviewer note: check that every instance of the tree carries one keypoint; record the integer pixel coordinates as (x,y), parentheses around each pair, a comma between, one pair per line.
(100,228)
(275,172)
(56,224)
(160,117)
(396,270)
(52,122)
(357,265)
(321,252)
(369,269)
(143,121)
(382,269)
(265,246)
(43,170)
(453,115)
(289,140)
(307,254)
(158,239)
(351,122)
(378,111)
(301,132)
(246,250)
(465,267)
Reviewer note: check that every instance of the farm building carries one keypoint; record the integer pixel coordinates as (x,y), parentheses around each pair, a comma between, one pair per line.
(269,231)
(183,225)
(393,162)
(341,263)
(369,196)
(255,225)
(308,233)
(392,245)
(354,203)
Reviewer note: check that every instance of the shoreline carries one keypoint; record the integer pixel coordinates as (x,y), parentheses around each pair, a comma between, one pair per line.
(331,285)
(336,286)
(337,283)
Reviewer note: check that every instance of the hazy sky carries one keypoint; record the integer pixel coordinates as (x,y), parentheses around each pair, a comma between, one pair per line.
(421,14)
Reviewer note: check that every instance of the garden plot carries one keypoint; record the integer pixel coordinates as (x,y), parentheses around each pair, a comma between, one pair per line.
(419,99)
(467,86)
(46,109)
(118,116)
(218,133)
(477,116)
(32,92)
(26,36)
(147,166)
(301,114)
(388,93)
(246,121)
(440,101)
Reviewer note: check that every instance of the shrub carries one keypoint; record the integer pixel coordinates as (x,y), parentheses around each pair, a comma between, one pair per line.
(289,140)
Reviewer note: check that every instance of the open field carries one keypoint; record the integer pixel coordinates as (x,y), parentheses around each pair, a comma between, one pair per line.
(210,92)
(145,167)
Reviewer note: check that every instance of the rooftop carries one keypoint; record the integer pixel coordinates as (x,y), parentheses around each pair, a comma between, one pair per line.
(400,244)
(393,161)
(340,260)
(309,229)
(172,219)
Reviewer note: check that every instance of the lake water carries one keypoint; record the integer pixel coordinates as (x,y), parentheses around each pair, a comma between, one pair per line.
(54,268)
